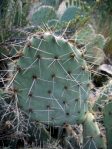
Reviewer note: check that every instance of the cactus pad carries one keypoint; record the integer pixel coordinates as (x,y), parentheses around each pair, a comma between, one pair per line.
(52,81)
(94,44)
(43,15)
(108,123)
(71,13)
(92,136)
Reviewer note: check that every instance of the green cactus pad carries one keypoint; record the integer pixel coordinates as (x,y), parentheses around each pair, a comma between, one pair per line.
(94,50)
(71,13)
(92,136)
(52,81)
(108,123)
(85,34)
(43,15)
(93,43)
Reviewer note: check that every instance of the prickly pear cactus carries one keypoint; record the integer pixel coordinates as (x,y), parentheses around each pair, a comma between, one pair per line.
(85,34)
(94,50)
(92,44)
(108,123)
(52,81)
(74,9)
(92,135)
(43,15)
(71,13)
(104,105)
